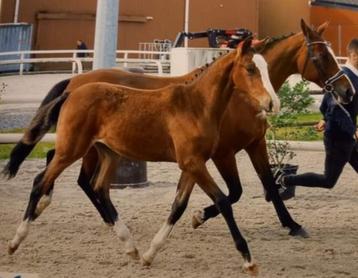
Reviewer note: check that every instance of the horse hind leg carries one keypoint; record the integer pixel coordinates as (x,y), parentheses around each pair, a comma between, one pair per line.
(42,184)
(184,189)
(107,159)
(46,199)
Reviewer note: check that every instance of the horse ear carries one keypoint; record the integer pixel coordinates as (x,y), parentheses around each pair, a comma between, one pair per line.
(244,47)
(305,29)
(259,45)
(322,28)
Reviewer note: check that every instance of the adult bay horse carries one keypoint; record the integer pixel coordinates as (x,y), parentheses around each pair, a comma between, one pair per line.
(178,123)
(306,53)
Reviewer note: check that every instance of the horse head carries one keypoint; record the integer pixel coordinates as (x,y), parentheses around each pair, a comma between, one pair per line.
(318,63)
(250,74)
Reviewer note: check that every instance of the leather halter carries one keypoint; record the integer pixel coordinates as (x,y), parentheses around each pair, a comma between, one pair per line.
(329,87)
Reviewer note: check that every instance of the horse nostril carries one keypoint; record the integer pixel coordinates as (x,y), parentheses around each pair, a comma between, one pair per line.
(271,106)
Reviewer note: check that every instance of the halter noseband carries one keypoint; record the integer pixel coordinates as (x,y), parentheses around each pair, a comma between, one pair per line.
(329,82)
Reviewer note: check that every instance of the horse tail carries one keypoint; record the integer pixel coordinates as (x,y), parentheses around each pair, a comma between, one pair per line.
(56,91)
(45,117)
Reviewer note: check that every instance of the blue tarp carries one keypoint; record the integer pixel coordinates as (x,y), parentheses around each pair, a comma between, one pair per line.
(14,37)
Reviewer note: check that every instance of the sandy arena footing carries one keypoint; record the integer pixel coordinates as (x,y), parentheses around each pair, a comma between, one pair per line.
(70,240)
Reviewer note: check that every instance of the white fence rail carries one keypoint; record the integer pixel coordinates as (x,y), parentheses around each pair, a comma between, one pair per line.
(124,57)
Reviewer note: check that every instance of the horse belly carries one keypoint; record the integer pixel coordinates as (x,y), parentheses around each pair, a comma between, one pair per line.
(141,141)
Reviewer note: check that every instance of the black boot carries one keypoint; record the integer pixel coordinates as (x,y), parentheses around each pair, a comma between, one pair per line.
(287,193)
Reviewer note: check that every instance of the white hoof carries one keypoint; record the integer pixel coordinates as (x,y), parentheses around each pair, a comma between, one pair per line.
(134,254)
(146,259)
(251,268)
(198,219)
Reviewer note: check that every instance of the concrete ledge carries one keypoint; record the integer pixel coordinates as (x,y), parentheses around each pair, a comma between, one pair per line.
(306,145)
(8,138)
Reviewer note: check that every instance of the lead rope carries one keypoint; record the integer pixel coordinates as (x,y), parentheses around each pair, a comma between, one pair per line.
(345,112)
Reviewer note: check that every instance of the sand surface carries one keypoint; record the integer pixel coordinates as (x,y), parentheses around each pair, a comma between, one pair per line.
(70,240)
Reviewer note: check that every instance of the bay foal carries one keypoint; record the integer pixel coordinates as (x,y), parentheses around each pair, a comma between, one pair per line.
(177,123)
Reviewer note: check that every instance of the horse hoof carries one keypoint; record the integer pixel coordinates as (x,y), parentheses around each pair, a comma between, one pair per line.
(11,249)
(146,260)
(251,268)
(301,232)
(134,254)
(197,219)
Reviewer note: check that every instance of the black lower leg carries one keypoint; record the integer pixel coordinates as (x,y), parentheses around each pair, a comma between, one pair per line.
(178,209)
(281,210)
(224,206)
(84,182)
(107,206)
(235,192)
(226,165)
(35,196)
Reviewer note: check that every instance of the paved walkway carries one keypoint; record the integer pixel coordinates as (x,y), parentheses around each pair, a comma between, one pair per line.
(22,96)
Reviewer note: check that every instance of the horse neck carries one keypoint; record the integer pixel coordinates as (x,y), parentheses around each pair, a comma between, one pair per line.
(282,59)
(188,77)
(215,86)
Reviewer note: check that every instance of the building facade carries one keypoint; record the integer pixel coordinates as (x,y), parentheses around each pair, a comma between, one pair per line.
(58,24)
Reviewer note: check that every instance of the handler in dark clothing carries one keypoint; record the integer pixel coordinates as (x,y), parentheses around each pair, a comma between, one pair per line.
(339,125)
(81,45)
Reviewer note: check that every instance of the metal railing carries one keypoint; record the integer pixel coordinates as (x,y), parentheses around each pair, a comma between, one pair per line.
(124,57)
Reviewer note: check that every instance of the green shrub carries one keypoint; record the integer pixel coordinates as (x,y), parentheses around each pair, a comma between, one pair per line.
(295,100)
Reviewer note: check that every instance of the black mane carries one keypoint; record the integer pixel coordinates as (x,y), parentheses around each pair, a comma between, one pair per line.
(274,40)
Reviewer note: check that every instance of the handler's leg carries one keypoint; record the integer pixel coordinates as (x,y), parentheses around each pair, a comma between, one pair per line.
(354,158)
(338,153)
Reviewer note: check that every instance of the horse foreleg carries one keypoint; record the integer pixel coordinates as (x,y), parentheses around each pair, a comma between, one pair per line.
(101,186)
(227,167)
(259,158)
(223,204)
(184,189)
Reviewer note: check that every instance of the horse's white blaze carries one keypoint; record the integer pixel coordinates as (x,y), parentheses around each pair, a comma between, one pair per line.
(21,233)
(44,202)
(157,242)
(124,234)
(261,64)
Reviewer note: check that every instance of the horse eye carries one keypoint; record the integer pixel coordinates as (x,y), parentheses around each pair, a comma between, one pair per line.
(251,69)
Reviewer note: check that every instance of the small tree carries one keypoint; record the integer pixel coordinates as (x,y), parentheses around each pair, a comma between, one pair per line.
(294,101)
